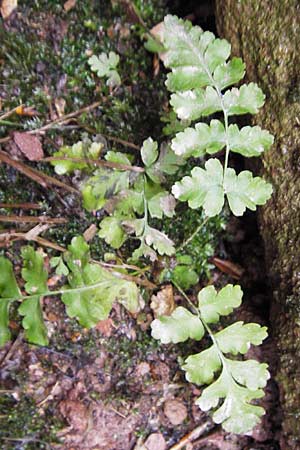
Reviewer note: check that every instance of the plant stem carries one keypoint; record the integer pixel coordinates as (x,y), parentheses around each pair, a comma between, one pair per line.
(187,241)
(205,325)
(216,87)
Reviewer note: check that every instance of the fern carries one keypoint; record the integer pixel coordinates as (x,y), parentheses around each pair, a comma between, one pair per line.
(106,66)
(237,382)
(89,293)
(131,198)
(200,72)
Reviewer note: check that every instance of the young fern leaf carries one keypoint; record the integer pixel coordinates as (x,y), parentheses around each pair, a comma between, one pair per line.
(88,296)
(35,275)
(9,290)
(208,188)
(93,289)
(105,66)
(238,382)
(200,73)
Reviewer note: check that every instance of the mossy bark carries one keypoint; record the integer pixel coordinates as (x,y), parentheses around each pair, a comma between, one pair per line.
(266,34)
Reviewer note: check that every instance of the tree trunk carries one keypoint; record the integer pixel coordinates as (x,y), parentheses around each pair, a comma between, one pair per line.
(266,34)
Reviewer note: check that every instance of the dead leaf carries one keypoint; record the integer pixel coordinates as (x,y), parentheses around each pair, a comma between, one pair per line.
(60,104)
(29,145)
(232,269)
(155,441)
(163,303)
(175,411)
(90,232)
(69,4)
(7,7)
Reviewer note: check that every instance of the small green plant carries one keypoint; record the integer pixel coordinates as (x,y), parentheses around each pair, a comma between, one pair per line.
(136,197)
(88,294)
(239,382)
(130,195)
(106,66)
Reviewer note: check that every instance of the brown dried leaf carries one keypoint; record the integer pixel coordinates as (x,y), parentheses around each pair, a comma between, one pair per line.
(69,4)
(90,232)
(163,303)
(175,411)
(60,104)
(232,269)
(29,145)
(7,7)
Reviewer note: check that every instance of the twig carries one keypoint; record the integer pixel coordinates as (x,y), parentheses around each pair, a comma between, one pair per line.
(12,348)
(12,236)
(121,141)
(95,162)
(195,434)
(41,178)
(58,120)
(46,243)
(9,113)
(66,117)
(21,205)
(31,219)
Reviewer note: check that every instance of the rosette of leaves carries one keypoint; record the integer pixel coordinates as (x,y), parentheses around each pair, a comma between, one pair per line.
(130,197)
(233,383)
(201,80)
(89,292)
(106,66)
(74,156)
(145,199)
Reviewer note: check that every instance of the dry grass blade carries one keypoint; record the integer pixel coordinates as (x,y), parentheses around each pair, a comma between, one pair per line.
(20,205)
(95,162)
(30,219)
(35,175)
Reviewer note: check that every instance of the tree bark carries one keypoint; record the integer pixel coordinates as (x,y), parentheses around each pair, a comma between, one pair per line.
(266,34)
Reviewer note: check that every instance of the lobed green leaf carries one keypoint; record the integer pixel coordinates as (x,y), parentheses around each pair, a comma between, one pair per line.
(190,105)
(203,188)
(149,151)
(249,141)
(112,232)
(201,367)
(207,188)
(104,184)
(200,140)
(178,327)
(245,100)
(236,413)
(238,337)
(9,291)
(97,290)
(34,272)
(33,323)
(213,304)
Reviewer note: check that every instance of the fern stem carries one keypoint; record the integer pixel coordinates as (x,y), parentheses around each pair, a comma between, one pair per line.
(219,92)
(59,292)
(189,239)
(205,325)
(187,299)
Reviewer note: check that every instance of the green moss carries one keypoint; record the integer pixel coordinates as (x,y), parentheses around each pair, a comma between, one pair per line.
(23,425)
